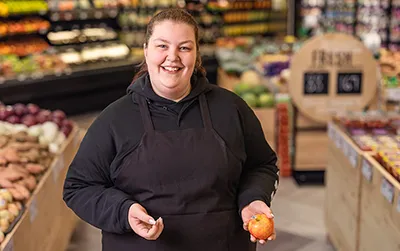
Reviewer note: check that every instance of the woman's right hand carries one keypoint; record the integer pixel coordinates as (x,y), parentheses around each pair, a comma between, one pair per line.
(143,224)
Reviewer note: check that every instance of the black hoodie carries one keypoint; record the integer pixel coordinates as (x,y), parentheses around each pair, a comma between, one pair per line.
(89,189)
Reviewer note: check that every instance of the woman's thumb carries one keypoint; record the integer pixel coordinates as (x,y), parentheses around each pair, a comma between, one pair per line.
(142,215)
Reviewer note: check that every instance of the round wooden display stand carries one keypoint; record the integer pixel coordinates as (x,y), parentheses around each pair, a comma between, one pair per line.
(332,73)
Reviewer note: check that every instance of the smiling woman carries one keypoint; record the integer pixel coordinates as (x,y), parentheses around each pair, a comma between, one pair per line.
(177,163)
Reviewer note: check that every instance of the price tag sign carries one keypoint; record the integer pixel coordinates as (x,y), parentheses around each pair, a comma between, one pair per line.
(316,83)
(55,17)
(98,14)
(83,15)
(393,94)
(353,156)
(366,170)
(387,190)
(330,73)
(349,83)
(10,245)
(33,209)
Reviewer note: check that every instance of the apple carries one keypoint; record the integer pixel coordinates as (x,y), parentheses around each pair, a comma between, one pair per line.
(13,119)
(67,123)
(66,130)
(261,227)
(33,109)
(29,120)
(6,112)
(58,121)
(20,109)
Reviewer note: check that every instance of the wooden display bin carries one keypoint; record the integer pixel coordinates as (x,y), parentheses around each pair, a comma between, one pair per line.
(225,80)
(380,208)
(47,224)
(343,188)
(267,120)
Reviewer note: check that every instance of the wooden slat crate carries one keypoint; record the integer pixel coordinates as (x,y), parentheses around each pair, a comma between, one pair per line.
(47,224)
(380,208)
(343,188)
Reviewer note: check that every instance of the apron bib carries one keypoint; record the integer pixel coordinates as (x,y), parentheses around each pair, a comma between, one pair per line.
(189,178)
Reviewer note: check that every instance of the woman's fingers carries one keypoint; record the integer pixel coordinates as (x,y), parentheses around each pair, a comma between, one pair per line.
(155,231)
(253,239)
(142,215)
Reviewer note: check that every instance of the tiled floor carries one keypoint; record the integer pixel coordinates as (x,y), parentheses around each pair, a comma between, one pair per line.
(299,218)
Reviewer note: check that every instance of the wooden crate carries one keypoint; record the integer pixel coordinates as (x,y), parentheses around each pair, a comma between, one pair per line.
(343,188)
(380,211)
(307,142)
(267,120)
(47,224)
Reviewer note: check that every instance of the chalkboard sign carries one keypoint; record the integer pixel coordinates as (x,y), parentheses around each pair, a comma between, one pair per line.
(316,83)
(349,83)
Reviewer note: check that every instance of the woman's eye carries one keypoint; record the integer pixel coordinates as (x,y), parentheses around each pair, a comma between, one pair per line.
(185,48)
(163,46)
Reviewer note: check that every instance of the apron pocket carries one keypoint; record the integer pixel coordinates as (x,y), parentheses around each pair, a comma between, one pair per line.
(197,232)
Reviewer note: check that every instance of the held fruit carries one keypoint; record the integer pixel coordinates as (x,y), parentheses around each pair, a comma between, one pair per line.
(261,227)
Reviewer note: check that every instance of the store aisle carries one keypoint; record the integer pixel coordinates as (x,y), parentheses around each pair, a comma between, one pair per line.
(299,217)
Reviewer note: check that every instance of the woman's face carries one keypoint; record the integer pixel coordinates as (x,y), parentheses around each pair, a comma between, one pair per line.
(171,57)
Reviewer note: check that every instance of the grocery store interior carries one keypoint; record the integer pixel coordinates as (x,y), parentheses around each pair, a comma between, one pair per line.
(321,76)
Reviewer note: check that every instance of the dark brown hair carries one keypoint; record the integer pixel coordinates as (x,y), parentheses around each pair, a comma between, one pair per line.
(179,16)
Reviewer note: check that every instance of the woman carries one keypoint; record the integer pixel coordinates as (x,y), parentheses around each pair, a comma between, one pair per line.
(177,163)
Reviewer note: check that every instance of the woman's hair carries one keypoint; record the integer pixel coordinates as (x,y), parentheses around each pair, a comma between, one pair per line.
(179,16)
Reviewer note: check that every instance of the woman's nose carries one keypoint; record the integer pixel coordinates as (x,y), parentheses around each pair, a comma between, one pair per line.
(173,55)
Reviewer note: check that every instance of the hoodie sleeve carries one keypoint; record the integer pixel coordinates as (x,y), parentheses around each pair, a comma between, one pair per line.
(88,189)
(260,175)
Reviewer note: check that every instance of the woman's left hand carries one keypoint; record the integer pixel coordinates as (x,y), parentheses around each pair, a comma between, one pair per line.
(256,207)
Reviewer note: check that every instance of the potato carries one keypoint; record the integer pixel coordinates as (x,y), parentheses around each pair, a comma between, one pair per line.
(11,155)
(22,190)
(5,183)
(4,225)
(29,182)
(1,236)
(6,195)
(13,209)
(12,174)
(18,204)
(16,194)
(18,168)
(34,168)
(3,203)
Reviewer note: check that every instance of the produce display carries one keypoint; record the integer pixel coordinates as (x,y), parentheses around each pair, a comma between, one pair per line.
(51,127)
(24,26)
(17,7)
(251,89)
(23,48)
(12,66)
(81,36)
(10,210)
(377,132)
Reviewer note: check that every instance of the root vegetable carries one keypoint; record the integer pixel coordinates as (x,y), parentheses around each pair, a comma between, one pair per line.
(11,174)
(11,155)
(29,182)
(4,183)
(35,168)
(22,190)
(4,225)
(3,204)
(19,205)
(3,161)
(16,194)
(13,209)
(18,168)
(1,236)
(4,193)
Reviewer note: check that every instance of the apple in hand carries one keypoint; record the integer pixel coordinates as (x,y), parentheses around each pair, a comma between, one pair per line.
(261,227)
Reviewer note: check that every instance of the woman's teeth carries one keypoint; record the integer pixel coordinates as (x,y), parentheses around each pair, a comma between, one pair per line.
(171,69)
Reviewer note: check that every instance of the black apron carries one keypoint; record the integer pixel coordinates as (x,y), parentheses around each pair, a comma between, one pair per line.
(189,178)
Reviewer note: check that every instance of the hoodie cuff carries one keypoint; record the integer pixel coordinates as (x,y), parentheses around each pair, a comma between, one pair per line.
(246,198)
(126,227)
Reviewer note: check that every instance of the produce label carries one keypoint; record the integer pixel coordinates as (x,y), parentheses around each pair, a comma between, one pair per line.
(367,170)
(353,156)
(330,130)
(387,190)
(316,83)
(33,209)
(338,141)
(9,246)
(393,94)
(349,83)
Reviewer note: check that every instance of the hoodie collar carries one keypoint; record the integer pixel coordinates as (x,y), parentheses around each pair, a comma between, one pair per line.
(143,87)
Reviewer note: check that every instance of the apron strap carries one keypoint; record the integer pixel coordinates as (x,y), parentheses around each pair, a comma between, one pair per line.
(144,111)
(205,113)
